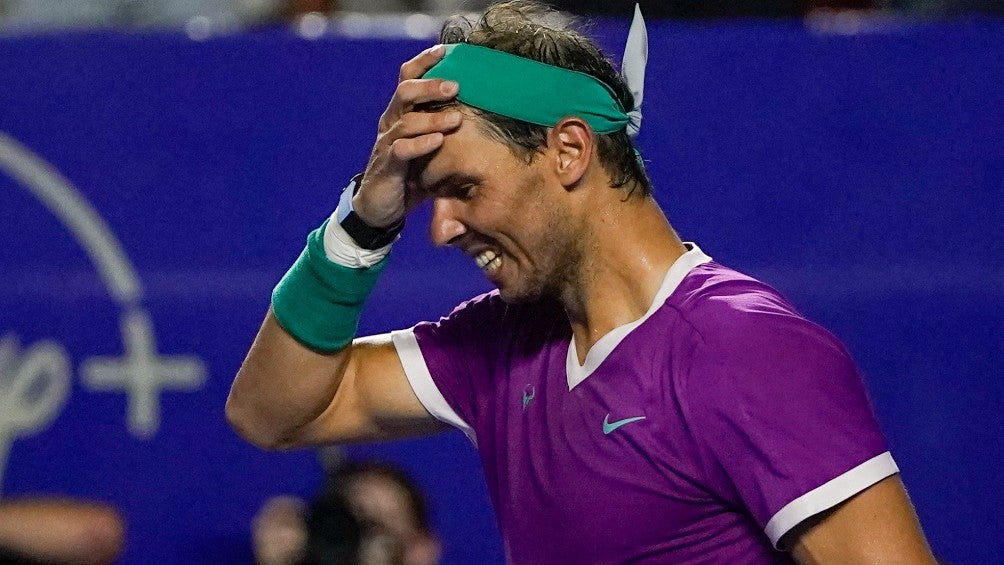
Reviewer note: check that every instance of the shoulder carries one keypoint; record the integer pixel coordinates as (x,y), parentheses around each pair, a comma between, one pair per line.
(490,319)
(744,333)
(723,306)
(489,307)
(713,295)
(484,305)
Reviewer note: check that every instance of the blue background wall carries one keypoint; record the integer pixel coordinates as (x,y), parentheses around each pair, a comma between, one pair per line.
(860,173)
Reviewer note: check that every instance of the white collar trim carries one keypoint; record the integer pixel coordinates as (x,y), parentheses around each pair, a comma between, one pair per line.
(576,373)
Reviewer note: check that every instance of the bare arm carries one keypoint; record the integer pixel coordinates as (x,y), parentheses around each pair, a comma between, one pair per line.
(61,531)
(287,395)
(877,526)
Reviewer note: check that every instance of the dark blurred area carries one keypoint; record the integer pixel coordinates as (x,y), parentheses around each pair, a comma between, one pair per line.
(364,514)
(197,16)
(689,9)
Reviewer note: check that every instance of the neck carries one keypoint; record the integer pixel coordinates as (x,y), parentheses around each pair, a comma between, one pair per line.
(627,248)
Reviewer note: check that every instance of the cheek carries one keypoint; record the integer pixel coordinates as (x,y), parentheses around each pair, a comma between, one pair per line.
(519,214)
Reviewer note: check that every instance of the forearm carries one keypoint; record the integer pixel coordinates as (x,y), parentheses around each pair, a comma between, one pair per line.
(282,387)
(304,381)
(299,358)
(287,395)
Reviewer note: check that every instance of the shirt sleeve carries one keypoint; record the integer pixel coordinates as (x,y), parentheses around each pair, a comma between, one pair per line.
(449,362)
(783,419)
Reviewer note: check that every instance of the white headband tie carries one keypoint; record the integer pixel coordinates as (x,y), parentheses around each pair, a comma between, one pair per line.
(633,68)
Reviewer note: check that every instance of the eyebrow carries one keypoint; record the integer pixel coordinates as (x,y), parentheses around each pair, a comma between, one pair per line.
(451,180)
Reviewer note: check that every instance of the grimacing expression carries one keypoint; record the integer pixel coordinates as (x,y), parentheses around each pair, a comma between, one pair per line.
(507,215)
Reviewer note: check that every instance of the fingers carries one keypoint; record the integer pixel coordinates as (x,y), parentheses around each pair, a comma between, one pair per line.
(417,91)
(404,135)
(414,124)
(408,148)
(412,89)
(422,62)
(419,133)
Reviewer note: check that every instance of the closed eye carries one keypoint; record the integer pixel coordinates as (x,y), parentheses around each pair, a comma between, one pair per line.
(461,188)
(465,192)
(454,185)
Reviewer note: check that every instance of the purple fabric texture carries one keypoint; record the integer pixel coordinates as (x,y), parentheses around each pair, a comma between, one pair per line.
(722,407)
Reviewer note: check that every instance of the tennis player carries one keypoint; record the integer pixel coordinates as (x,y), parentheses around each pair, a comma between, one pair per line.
(631,399)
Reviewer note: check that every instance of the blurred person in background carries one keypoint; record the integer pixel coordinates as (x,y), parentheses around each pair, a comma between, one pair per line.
(279,531)
(59,531)
(367,514)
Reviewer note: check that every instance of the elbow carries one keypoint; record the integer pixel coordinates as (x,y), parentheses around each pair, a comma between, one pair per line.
(247,423)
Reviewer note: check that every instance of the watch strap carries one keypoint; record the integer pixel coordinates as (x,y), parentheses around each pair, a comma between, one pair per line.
(368,237)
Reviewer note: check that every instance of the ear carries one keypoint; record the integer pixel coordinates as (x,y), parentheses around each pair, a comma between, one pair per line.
(572,143)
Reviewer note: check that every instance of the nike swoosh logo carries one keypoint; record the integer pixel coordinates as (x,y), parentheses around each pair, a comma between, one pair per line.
(609,426)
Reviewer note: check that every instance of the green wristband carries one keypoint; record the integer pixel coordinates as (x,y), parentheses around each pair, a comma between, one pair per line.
(318,302)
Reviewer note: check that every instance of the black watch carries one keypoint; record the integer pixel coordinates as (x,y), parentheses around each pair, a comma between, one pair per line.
(366,236)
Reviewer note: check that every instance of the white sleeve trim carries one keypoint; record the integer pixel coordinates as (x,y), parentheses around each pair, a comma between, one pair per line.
(830,494)
(421,382)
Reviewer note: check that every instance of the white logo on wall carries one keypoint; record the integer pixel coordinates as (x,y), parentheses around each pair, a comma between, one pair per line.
(35,378)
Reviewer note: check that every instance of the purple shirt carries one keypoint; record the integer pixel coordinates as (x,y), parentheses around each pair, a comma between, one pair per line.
(700,433)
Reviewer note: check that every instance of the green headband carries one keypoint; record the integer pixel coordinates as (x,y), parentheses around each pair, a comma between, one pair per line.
(528,90)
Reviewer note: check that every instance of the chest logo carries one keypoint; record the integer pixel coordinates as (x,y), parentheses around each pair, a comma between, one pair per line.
(609,426)
(528,394)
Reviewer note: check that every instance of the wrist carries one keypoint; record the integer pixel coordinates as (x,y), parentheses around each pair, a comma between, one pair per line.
(369,236)
(318,301)
(340,248)
(379,220)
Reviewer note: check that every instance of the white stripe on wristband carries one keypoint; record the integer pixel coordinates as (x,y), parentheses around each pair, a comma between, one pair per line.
(340,248)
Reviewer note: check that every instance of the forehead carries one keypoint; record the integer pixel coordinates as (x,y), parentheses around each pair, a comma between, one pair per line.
(466,152)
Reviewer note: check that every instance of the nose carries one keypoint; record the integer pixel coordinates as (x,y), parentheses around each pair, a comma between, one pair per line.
(445,225)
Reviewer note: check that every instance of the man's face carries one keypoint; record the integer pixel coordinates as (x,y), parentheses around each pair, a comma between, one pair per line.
(510,217)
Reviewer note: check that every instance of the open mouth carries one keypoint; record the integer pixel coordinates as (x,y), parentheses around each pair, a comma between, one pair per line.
(489,261)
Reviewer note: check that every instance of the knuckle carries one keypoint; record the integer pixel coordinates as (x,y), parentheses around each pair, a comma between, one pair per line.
(405,90)
(409,70)
(399,148)
(383,141)
(409,121)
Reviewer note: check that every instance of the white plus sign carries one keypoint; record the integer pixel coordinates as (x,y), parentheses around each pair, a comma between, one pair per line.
(142,374)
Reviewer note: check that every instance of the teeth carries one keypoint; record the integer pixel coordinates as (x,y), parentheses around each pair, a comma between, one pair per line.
(484,258)
(488,260)
(494,264)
